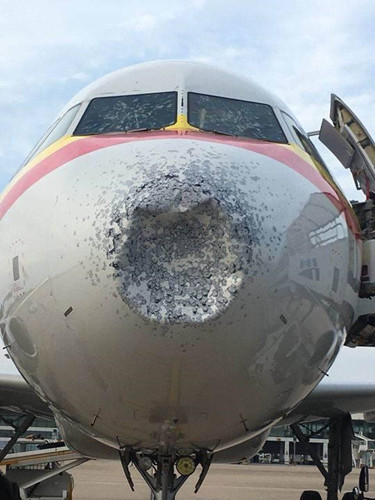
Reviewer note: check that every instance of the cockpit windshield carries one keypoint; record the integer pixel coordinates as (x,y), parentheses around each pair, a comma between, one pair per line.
(105,115)
(234,117)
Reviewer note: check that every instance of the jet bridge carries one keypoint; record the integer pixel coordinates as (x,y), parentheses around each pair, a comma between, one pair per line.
(353,146)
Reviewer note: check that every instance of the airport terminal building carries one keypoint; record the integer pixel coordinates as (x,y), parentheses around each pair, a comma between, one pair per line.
(283,447)
(280,447)
(41,431)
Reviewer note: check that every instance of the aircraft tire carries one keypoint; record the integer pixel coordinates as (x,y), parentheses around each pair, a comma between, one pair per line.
(310,495)
(348,496)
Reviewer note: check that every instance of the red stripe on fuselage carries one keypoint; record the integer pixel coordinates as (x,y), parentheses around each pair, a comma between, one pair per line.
(94,143)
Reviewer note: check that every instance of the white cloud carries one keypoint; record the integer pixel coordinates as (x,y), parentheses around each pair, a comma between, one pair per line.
(302,52)
(360,369)
(6,364)
(141,23)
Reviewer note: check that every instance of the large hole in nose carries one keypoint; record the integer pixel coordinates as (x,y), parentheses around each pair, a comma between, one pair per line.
(179,265)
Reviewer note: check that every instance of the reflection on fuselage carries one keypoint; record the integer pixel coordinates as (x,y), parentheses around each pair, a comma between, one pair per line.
(329,233)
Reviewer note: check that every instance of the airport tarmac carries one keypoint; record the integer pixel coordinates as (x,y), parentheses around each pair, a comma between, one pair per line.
(105,480)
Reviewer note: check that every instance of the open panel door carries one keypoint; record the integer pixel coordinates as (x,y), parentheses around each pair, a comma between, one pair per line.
(353,146)
(350,142)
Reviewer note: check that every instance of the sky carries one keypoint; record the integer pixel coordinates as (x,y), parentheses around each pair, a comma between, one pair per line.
(301,51)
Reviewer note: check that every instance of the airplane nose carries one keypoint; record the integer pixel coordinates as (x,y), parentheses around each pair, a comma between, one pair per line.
(181,249)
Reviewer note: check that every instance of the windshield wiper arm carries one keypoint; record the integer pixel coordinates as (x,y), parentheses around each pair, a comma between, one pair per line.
(144,129)
(218,132)
(120,132)
(224,133)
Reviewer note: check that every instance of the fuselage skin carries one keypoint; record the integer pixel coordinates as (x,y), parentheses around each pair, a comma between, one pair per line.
(175,290)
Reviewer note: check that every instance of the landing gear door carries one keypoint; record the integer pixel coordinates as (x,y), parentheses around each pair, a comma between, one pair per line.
(350,142)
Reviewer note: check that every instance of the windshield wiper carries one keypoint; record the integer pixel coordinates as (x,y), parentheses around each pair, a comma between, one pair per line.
(218,132)
(224,133)
(120,132)
(144,129)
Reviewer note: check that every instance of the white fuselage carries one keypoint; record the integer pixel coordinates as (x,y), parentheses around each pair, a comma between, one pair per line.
(179,291)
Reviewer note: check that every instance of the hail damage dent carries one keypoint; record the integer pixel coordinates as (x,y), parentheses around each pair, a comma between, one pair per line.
(184,235)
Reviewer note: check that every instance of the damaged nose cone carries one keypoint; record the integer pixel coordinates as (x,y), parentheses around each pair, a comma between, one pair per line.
(180,254)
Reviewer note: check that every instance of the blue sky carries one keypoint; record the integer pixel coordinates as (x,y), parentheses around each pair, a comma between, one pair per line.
(302,51)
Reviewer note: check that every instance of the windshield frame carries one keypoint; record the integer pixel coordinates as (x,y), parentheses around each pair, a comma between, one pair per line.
(43,143)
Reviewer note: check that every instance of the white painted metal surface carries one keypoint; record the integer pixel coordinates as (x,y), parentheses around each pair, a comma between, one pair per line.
(177,290)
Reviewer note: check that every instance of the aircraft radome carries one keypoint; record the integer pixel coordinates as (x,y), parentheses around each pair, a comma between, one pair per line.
(179,271)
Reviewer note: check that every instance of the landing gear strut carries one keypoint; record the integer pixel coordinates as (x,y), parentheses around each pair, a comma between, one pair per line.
(19,430)
(339,452)
(164,483)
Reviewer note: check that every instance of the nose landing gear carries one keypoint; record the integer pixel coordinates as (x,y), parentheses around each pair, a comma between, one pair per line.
(164,483)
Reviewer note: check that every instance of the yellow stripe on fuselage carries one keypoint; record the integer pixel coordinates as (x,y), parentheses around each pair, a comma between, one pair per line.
(182,124)
(63,141)
(322,170)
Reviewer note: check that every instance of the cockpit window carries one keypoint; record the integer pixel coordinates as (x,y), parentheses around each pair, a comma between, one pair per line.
(105,115)
(234,117)
(57,130)
(302,139)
